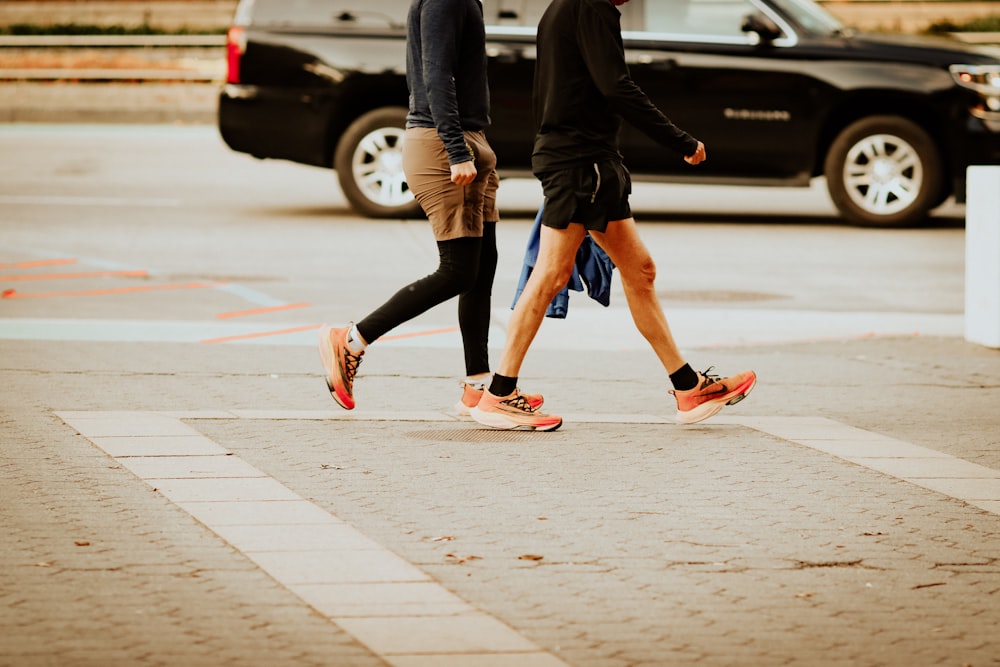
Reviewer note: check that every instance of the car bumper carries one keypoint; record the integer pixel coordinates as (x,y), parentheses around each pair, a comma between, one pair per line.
(979,145)
(286,124)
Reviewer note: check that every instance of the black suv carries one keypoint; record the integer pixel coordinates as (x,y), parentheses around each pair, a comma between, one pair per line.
(779,91)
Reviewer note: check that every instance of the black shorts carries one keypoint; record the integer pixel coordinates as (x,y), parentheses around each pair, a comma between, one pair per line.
(592,195)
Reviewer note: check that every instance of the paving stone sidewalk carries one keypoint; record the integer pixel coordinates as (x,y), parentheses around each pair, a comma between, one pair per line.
(620,539)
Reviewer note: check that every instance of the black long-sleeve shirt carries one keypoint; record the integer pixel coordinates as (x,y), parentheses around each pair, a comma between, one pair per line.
(446,71)
(583,89)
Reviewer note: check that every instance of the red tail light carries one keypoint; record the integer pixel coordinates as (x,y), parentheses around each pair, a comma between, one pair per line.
(236,46)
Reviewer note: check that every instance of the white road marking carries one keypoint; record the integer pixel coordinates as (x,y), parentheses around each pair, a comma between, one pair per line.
(587,330)
(62,200)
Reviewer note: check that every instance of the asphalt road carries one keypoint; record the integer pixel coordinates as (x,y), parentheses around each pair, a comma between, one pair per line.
(177,488)
(176,201)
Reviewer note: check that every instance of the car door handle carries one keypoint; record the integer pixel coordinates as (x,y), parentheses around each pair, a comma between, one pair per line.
(653,62)
(509,55)
(664,64)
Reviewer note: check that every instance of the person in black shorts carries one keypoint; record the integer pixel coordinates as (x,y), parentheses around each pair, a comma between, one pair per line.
(582,94)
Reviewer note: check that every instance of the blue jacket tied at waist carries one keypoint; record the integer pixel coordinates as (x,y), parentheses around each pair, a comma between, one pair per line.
(592,269)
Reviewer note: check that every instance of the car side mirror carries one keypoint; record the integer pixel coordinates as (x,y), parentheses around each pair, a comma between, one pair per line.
(765,28)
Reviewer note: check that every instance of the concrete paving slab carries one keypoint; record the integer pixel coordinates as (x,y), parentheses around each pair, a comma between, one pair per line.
(963,489)
(152,468)
(382,599)
(857,447)
(337,567)
(221,513)
(127,424)
(914,468)
(469,633)
(246,488)
(472,660)
(155,445)
(295,537)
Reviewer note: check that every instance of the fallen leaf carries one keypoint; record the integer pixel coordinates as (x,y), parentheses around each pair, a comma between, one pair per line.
(530,557)
(461,559)
(82,543)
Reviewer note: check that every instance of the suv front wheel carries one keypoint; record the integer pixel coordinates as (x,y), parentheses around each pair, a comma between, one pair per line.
(369,165)
(884,171)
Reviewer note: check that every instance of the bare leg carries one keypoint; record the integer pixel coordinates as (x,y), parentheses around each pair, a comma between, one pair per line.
(635,265)
(556,255)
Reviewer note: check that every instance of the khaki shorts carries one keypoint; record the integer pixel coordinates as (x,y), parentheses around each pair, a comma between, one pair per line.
(454,211)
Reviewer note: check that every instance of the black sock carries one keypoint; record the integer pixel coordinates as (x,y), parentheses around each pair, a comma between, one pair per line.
(502,385)
(684,378)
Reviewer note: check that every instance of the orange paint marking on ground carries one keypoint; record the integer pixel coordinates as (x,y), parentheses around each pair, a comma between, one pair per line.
(259,311)
(37,262)
(261,334)
(312,327)
(11,294)
(139,273)
(418,334)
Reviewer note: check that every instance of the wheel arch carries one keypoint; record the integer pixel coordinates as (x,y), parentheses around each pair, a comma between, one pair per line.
(358,96)
(877,103)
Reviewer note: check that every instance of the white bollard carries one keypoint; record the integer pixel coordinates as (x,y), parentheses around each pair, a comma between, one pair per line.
(982,256)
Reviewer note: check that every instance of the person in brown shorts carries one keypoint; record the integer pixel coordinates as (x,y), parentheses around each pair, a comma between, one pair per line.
(451,170)
(453,211)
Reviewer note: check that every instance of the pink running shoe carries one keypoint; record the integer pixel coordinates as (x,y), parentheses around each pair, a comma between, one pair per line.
(711,395)
(471,394)
(512,412)
(340,364)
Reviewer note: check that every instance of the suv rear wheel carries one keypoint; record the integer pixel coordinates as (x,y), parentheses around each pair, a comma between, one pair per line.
(884,171)
(369,165)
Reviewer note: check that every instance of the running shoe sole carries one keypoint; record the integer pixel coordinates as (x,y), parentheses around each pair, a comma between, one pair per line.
(712,408)
(463,410)
(500,421)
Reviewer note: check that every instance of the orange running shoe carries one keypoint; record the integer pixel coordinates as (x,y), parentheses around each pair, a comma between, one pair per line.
(471,393)
(512,412)
(340,363)
(711,395)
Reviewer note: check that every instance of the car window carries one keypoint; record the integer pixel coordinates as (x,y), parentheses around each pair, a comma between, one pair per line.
(810,16)
(708,18)
(514,12)
(377,13)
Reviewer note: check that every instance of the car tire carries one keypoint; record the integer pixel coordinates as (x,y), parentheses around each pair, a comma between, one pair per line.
(369,165)
(884,171)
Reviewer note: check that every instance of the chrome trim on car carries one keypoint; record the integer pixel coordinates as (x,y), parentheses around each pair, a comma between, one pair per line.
(790,37)
(240,92)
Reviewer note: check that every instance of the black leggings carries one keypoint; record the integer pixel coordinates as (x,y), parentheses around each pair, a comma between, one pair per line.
(466,269)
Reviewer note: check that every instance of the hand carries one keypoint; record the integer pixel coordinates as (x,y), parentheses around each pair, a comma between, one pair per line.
(698,156)
(463,173)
